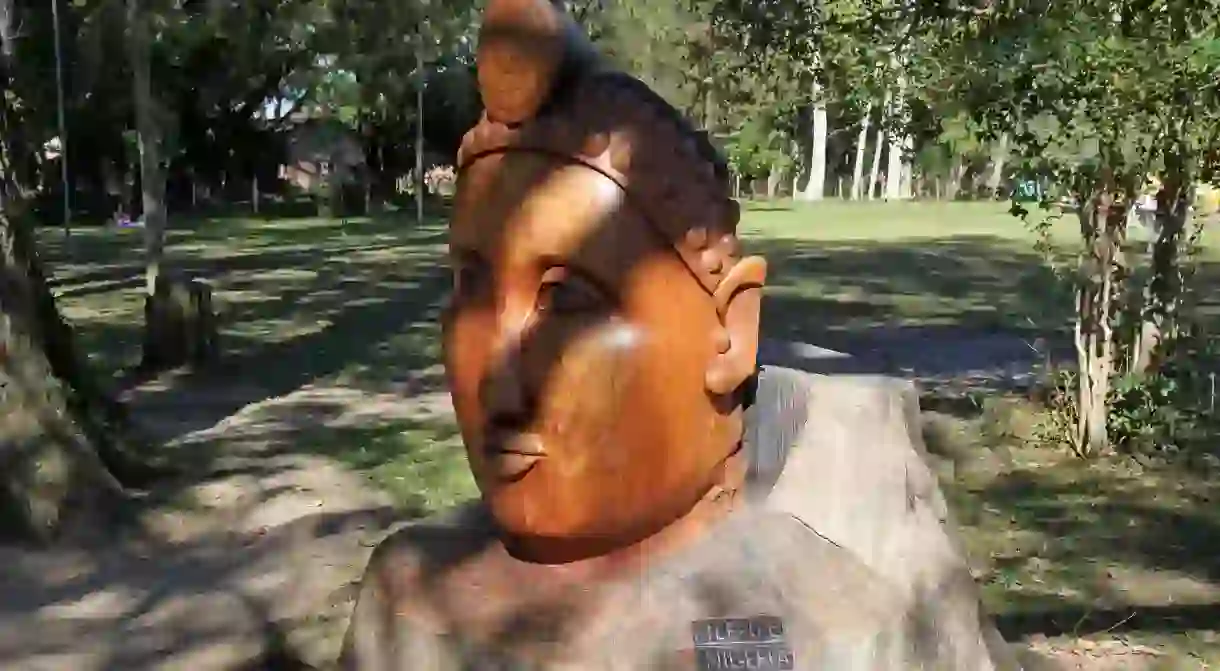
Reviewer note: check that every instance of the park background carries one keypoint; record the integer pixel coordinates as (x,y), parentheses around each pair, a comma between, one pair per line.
(1009,202)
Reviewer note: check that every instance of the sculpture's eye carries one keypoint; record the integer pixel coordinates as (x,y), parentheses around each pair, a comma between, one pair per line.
(565,292)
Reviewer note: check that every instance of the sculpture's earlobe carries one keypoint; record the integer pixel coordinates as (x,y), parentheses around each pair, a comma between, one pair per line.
(738,300)
(521,52)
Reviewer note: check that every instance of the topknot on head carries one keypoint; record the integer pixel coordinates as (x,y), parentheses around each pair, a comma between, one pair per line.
(543,91)
(526,48)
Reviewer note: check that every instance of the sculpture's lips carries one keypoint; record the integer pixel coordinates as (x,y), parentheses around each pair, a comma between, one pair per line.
(511,455)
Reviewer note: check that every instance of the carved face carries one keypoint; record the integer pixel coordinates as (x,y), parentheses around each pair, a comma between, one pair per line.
(577,345)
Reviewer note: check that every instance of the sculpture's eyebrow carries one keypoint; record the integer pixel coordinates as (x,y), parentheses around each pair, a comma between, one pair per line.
(585,272)
(598,267)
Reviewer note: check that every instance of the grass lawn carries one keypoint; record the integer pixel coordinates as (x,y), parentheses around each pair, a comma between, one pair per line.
(841,269)
(1109,556)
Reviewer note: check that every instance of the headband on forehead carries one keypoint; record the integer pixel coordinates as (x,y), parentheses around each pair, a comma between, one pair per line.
(545,90)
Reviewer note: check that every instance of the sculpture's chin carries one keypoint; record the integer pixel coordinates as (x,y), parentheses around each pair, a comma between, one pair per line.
(520,512)
(549,549)
(538,527)
(557,536)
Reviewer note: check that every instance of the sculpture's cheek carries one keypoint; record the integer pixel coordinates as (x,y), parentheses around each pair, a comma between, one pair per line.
(466,354)
(584,397)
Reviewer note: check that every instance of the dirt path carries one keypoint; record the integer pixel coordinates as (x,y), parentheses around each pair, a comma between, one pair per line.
(250,563)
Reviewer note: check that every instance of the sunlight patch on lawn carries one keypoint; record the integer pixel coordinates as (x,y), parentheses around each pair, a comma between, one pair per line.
(278,330)
(422,465)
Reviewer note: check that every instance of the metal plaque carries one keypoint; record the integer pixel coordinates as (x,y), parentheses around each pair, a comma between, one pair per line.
(753,643)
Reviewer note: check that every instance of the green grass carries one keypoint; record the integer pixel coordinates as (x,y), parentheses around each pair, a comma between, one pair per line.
(420,464)
(1105,554)
(277,281)
(1059,545)
(841,268)
(348,305)
(838,221)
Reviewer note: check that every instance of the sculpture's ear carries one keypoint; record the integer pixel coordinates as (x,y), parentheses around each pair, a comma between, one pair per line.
(525,46)
(738,301)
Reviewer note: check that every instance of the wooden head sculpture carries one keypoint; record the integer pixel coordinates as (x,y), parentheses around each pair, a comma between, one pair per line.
(603,325)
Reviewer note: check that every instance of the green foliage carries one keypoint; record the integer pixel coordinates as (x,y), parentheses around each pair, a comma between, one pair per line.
(1096,96)
(1092,90)
(217,68)
(1169,412)
(1171,409)
(754,147)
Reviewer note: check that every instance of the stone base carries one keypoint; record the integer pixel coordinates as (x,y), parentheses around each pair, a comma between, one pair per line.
(857,473)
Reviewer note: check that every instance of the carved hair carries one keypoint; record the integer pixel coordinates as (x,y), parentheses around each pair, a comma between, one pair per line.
(614,124)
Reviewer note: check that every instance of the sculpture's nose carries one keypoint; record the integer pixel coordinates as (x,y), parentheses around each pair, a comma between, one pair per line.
(503,391)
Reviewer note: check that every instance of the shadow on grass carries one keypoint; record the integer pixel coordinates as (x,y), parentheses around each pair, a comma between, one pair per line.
(1073,548)
(304,316)
(355,303)
(973,311)
(361,313)
(1104,549)
(838,291)
(359,327)
(113,261)
(348,304)
(1077,621)
(206,592)
(1147,522)
(769,208)
(420,463)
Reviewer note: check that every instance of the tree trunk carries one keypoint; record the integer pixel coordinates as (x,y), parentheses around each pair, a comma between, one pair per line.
(194,192)
(796,172)
(900,146)
(875,171)
(861,140)
(52,480)
(997,167)
(893,168)
(54,477)
(180,325)
(11,153)
(773,179)
(954,187)
(152,173)
(1090,435)
(61,122)
(816,188)
(152,190)
(1102,231)
(908,170)
(419,128)
(1164,288)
